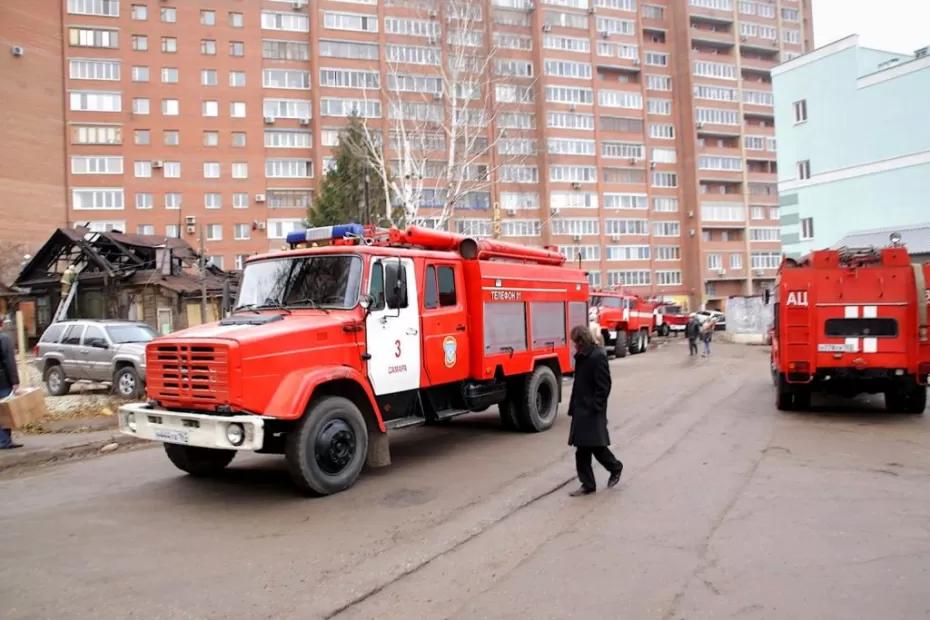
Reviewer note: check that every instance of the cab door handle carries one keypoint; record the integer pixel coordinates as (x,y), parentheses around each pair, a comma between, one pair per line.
(459,328)
(411,331)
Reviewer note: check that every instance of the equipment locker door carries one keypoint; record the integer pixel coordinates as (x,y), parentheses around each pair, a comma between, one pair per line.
(445,325)
(393,326)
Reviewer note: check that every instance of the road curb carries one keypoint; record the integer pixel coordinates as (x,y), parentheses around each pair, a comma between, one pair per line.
(48,456)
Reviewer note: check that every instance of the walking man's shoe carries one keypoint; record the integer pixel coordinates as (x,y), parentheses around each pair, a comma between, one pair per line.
(11,446)
(614,477)
(581,491)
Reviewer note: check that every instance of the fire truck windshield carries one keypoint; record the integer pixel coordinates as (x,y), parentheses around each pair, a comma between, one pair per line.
(607,302)
(330,281)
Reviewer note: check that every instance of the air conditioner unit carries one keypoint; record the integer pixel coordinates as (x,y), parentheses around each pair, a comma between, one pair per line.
(554,212)
(433,13)
(261,224)
(576,237)
(615,237)
(547,28)
(576,185)
(591,11)
(692,232)
(191,229)
(652,165)
(298,5)
(157,163)
(760,272)
(269,120)
(259,197)
(690,213)
(190,220)
(632,160)
(305,121)
(437,96)
(572,108)
(17,50)
(605,35)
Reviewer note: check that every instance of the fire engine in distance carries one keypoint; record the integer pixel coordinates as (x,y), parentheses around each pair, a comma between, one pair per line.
(622,320)
(373,330)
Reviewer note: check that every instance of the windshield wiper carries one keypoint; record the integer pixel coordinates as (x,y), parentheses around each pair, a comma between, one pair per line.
(247,307)
(309,301)
(274,304)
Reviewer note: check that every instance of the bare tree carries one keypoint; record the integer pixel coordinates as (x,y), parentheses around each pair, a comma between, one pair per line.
(445,134)
(12,257)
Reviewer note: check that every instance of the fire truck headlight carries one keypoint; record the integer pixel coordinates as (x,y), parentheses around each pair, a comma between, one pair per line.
(235,434)
(131,421)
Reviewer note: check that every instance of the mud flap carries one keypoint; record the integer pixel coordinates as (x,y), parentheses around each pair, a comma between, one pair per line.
(379,450)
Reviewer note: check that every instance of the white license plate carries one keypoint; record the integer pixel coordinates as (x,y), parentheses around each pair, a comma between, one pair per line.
(171,436)
(835,348)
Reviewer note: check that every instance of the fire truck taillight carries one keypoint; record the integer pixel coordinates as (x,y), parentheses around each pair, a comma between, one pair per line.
(799,367)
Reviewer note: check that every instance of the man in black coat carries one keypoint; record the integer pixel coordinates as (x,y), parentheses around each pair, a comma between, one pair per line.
(9,381)
(588,410)
(693,332)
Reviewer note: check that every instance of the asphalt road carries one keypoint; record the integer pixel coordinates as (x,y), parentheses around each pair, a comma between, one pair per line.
(727,508)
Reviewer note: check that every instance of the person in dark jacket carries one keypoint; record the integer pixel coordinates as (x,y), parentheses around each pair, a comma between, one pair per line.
(693,332)
(588,410)
(9,381)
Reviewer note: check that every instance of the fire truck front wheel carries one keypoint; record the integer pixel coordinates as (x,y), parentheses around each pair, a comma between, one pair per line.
(326,451)
(621,344)
(197,461)
(539,404)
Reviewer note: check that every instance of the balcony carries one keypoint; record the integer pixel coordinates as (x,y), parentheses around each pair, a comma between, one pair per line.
(758,66)
(712,38)
(756,45)
(702,15)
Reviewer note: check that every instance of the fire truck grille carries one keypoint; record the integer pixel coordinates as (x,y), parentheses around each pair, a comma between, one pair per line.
(188,373)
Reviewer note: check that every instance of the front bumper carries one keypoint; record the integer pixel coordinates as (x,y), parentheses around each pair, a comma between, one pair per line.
(188,428)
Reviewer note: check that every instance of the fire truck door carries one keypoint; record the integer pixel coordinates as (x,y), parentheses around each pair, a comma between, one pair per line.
(445,325)
(393,326)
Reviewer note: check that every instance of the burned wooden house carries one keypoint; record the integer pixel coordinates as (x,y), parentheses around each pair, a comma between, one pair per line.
(79,273)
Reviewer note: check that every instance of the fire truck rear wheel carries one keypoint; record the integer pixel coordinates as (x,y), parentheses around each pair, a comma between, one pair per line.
(326,451)
(636,343)
(199,462)
(621,346)
(540,403)
(784,394)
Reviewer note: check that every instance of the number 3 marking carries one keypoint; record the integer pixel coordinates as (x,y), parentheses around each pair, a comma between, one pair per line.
(397,348)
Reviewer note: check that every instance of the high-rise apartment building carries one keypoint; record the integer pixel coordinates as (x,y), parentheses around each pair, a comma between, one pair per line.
(639,134)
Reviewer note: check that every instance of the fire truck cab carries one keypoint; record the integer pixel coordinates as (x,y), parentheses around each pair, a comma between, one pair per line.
(622,320)
(330,347)
(849,322)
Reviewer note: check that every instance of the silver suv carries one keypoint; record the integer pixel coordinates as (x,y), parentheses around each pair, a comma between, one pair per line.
(102,351)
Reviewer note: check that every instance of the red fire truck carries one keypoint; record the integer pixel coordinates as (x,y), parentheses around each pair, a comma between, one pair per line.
(849,322)
(623,320)
(670,318)
(374,330)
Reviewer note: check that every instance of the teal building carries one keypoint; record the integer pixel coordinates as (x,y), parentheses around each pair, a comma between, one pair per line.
(852,126)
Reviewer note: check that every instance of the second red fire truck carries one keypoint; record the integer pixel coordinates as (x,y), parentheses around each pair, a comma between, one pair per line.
(623,320)
(333,346)
(849,322)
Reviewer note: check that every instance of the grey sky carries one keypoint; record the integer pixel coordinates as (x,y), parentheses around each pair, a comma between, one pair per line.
(893,25)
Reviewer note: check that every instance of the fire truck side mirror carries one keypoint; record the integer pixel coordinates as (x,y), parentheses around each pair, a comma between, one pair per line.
(395,280)
(366,302)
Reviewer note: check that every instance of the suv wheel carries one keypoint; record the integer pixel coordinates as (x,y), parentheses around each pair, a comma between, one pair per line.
(126,382)
(55,382)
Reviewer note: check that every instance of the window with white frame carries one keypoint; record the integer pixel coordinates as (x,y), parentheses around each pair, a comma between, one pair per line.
(170,107)
(790,15)
(573,200)
(286,108)
(141,106)
(513,120)
(212,200)
(626,227)
(330,106)
(242,232)
(766,260)
(620,99)
(714,261)
(214,232)
(722,212)
(570,120)
(714,93)
(240,170)
(629,278)
(505,93)
(567,69)
(93,37)
(144,201)
(668,278)
(667,252)
(103,8)
(285,50)
(573,174)
(414,54)
(208,47)
(576,227)
(236,48)
(211,138)
(142,169)
(286,78)
(140,73)
(804,169)
(237,109)
(664,155)
(210,108)
(652,11)
(719,162)
(565,20)
(627,51)
(627,252)
(140,43)
(96,134)
(662,131)
(348,49)
(238,139)
(288,139)
(518,174)
(97,199)
(791,36)
(765,234)
(800,111)
(414,83)
(169,15)
(350,78)
(512,41)
(758,97)
(519,200)
(289,168)
(568,44)
(513,68)
(720,5)
(95,101)
(659,82)
(622,150)
(625,201)
(478,228)
(762,31)
(290,22)
(96,164)
(657,59)
(570,95)
(807,228)
(716,116)
(664,179)
(718,70)
(659,107)
(211,169)
(613,25)
(666,229)
(207,18)
(579,252)
(169,45)
(664,204)
(516,146)
(237,79)
(145,229)
(520,228)
(736,261)
(169,75)
(171,170)
(757,213)
(172,200)
(411,27)
(350,21)
(569,146)
(91,69)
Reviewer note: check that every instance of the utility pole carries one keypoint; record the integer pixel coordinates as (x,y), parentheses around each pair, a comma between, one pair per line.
(203,280)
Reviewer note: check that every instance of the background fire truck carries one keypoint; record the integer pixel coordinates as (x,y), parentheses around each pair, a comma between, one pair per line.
(623,320)
(850,322)
(331,347)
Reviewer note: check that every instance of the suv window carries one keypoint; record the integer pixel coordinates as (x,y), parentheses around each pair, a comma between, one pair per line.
(73,335)
(93,335)
(53,333)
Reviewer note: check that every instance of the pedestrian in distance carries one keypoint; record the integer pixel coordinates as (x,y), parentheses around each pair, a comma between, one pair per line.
(9,381)
(588,411)
(707,334)
(693,332)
